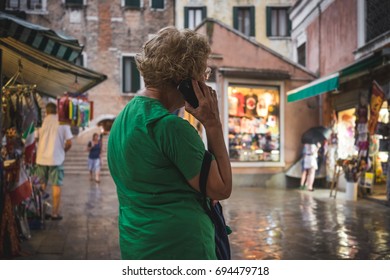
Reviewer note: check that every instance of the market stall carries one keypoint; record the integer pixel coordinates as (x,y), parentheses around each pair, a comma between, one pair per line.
(35,62)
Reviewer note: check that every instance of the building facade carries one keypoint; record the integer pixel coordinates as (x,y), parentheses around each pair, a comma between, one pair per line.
(265,21)
(347,43)
(111,32)
(250,43)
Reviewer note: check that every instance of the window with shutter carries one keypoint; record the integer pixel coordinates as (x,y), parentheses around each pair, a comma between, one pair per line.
(157,4)
(278,22)
(244,20)
(23,5)
(74,2)
(193,16)
(302,54)
(131,79)
(133,3)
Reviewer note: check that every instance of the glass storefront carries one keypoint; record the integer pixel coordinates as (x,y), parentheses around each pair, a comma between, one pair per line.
(254,123)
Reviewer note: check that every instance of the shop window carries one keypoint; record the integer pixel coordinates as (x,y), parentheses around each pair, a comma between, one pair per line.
(381,142)
(193,16)
(157,4)
(244,20)
(131,79)
(302,54)
(254,124)
(346,134)
(278,22)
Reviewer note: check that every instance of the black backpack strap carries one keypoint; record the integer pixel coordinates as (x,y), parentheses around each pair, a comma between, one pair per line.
(204,172)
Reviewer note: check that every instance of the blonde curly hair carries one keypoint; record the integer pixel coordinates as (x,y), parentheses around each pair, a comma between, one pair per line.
(173,55)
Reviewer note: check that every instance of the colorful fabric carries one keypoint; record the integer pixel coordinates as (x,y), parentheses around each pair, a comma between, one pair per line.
(28,139)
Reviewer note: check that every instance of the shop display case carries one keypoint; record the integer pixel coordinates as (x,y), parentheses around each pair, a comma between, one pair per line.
(254,120)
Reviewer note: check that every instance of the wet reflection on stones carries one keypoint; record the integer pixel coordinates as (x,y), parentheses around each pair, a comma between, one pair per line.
(291,224)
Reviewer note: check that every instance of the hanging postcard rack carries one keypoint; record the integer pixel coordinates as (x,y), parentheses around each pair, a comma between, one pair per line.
(11,83)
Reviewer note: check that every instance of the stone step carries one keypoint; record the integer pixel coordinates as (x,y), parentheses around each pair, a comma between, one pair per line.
(76,159)
(80,158)
(84,172)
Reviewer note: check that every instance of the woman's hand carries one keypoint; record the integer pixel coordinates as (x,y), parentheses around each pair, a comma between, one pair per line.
(207,112)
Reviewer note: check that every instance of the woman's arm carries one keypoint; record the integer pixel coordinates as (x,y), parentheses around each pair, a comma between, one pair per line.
(219,183)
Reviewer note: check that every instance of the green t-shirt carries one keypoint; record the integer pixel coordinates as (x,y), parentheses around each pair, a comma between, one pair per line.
(151,155)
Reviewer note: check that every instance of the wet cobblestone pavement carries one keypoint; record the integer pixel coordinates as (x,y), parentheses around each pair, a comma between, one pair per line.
(277,223)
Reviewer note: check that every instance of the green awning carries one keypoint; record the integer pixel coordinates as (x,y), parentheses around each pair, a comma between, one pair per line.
(364,66)
(317,87)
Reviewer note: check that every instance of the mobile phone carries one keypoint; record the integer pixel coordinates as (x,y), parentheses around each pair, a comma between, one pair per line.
(185,87)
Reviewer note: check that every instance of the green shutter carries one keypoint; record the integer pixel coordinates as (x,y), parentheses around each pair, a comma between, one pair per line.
(289,27)
(158,4)
(269,21)
(132,3)
(123,74)
(74,2)
(235,18)
(204,12)
(135,77)
(252,19)
(185,17)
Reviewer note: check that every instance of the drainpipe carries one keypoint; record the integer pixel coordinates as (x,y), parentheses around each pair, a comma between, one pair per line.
(388,159)
(320,97)
(1,139)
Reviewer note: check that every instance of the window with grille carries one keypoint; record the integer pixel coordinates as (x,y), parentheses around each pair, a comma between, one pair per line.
(193,16)
(157,4)
(131,78)
(302,54)
(377,18)
(278,22)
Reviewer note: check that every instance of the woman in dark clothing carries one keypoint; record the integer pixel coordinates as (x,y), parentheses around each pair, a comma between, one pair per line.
(94,158)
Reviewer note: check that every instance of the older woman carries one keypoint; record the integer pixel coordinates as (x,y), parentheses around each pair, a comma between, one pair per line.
(155,157)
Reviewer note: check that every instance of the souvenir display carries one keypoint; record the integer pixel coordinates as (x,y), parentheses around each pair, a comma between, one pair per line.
(253,124)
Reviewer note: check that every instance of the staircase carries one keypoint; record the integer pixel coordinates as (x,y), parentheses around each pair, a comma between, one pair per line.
(76,159)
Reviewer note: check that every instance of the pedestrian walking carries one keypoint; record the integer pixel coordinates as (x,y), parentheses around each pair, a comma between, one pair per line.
(54,140)
(309,166)
(95,148)
(155,157)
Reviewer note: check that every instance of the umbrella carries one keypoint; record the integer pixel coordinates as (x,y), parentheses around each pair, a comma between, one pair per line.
(315,135)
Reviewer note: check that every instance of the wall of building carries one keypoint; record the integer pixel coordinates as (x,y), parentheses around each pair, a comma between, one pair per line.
(107,30)
(331,36)
(222,10)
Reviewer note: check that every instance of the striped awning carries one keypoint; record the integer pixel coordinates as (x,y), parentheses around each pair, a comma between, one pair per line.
(51,75)
(40,38)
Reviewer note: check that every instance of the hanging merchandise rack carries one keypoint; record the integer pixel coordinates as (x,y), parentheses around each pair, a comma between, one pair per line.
(20,113)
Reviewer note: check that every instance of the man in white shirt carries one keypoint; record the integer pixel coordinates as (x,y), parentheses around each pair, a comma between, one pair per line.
(54,139)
